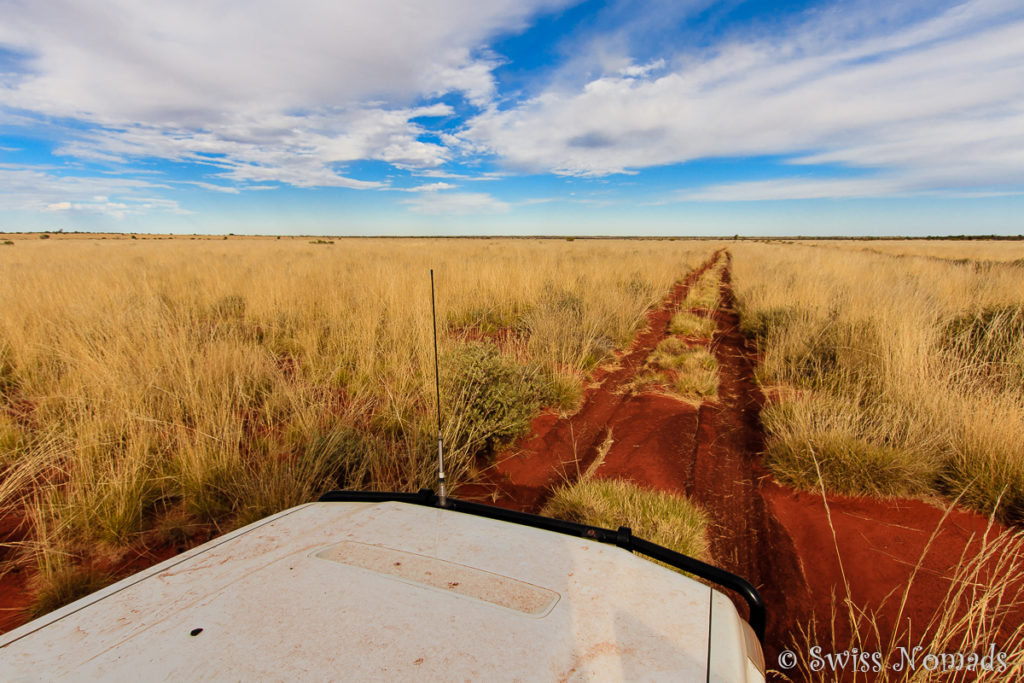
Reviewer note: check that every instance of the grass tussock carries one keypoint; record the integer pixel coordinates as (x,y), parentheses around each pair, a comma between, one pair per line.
(705,292)
(689,372)
(902,375)
(203,384)
(65,584)
(857,452)
(688,324)
(663,518)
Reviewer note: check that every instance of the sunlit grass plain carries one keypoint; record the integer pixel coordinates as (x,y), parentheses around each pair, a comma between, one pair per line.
(156,392)
(903,375)
(160,391)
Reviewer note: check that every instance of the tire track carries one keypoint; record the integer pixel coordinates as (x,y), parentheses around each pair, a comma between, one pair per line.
(561,449)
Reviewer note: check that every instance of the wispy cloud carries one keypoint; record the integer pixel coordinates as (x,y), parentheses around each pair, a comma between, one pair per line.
(36,189)
(457,203)
(427,187)
(937,104)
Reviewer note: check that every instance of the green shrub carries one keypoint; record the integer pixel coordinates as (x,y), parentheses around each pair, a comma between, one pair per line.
(492,396)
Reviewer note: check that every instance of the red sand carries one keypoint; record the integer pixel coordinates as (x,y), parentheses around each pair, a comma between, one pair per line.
(777,538)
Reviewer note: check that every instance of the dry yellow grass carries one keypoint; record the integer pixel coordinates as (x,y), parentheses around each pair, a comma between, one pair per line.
(665,518)
(160,386)
(903,373)
(996,251)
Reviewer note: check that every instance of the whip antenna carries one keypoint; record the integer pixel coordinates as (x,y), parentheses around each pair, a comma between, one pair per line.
(442,492)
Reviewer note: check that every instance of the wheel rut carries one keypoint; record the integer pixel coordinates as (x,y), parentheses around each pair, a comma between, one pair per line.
(560,449)
(709,452)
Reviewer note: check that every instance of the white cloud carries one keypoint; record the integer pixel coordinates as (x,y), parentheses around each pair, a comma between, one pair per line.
(937,104)
(427,187)
(796,188)
(267,91)
(457,203)
(183,63)
(636,70)
(40,189)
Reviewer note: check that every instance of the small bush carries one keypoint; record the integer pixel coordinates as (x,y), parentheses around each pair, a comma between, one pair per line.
(8,243)
(663,518)
(44,236)
(321,242)
(493,397)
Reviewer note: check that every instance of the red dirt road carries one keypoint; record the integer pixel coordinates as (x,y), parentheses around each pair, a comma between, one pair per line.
(561,449)
(779,539)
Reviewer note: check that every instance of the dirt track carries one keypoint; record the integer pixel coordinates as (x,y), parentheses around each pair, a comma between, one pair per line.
(775,537)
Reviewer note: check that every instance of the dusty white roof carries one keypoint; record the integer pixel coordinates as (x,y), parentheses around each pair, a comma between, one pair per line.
(371,591)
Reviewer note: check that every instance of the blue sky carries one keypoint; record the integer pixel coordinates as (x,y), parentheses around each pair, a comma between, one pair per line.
(513,117)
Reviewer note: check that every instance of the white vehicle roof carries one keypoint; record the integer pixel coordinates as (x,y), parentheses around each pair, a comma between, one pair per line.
(361,591)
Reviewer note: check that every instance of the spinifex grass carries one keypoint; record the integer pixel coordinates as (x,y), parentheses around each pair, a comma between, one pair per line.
(664,518)
(903,374)
(704,293)
(689,372)
(688,324)
(149,389)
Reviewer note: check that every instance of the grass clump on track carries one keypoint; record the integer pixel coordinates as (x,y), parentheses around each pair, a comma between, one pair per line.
(704,293)
(690,372)
(689,324)
(663,518)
